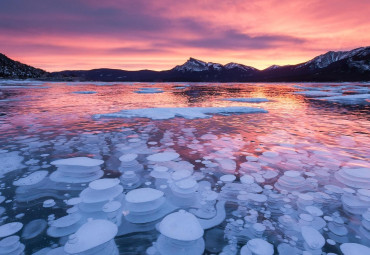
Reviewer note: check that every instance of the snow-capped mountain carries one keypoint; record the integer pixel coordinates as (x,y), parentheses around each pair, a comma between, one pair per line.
(239,66)
(273,67)
(14,69)
(195,65)
(330,57)
(353,65)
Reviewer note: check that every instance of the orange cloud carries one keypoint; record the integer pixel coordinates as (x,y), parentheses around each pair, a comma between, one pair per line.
(81,34)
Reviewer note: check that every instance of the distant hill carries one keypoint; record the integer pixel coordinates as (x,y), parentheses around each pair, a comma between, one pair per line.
(15,70)
(353,65)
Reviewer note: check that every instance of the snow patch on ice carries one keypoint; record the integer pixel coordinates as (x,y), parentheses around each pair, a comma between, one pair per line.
(184,112)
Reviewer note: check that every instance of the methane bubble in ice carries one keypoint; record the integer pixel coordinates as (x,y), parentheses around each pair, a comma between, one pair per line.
(10,229)
(34,228)
(314,241)
(181,233)
(144,205)
(163,156)
(11,246)
(94,237)
(31,179)
(354,248)
(257,246)
(77,170)
(354,177)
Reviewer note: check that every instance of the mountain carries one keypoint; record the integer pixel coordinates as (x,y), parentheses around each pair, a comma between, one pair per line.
(11,69)
(195,65)
(353,65)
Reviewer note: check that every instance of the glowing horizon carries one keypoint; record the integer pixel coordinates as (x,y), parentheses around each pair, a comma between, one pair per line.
(84,34)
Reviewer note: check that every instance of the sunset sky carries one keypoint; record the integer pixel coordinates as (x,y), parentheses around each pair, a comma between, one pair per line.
(159,34)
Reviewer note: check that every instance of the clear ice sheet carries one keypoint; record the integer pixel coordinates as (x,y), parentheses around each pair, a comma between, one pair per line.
(293,178)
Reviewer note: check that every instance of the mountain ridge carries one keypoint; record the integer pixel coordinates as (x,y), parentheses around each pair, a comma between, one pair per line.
(352,65)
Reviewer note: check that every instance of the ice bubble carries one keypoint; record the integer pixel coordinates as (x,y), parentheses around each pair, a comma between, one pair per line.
(10,229)
(257,246)
(182,226)
(354,248)
(101,190)
(163,156)
(144,200)
(65,225)
(128,157)
(251,158)
(31,179)
(247,179)
(103,184)
(10,161)
(314,211)
(92,235)
(77,170)
(227,165)
(11,246)
(313,238)
(270,154)
(48,203)
(143,195)
(228,178)
(180,174)
(34,228)
(78,161)
(74,201)
(354,177)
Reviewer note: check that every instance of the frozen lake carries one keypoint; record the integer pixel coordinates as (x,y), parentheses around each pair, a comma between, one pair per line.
(196,168)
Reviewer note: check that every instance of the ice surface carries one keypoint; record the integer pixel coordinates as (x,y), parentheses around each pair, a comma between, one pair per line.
(149,90)
(187,113)
(318,93)
(182,226)
(247,100)
(348,99)
(84,92)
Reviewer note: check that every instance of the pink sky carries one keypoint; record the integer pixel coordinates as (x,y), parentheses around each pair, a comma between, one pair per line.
(85,34)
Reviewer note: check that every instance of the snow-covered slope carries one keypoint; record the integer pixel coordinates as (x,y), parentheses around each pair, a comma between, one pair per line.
(239,66)
(273,67)
(195,65)
(330,57)
(13,69)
